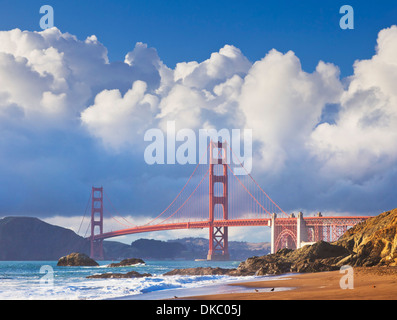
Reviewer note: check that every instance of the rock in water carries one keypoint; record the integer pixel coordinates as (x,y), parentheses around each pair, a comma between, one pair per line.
(199,271)
(77,260)
(127,262)
(131,274)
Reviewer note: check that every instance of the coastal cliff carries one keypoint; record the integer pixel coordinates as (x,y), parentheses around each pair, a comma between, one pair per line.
(370,243)
(373,242)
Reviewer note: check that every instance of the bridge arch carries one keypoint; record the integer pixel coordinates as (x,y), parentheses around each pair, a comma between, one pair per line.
(286,238)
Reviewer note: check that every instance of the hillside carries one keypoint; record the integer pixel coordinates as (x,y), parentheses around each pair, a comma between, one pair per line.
(184,248)
(197,248)
(28,238)
(156,249)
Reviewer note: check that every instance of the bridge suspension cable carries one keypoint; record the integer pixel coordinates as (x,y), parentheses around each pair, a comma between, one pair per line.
(129,224)
(205,175)
(255,182)
(180,193)
(85,212)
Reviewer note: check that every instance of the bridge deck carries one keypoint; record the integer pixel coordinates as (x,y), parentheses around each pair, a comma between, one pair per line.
(341,221)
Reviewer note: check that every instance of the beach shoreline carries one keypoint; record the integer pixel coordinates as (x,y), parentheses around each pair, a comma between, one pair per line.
(234,286)
(369,283)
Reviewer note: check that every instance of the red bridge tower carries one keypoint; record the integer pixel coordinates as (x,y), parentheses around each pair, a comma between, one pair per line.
(218,236)
(96,221)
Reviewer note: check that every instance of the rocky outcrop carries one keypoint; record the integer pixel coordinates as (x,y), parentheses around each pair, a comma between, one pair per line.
(127,262)
(373,242)
(321,256)
(77,260)
(131,274)
(200,271)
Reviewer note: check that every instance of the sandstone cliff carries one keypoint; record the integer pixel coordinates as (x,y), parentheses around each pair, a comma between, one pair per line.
(373,242)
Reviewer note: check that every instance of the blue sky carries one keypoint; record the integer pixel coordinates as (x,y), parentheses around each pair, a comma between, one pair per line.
(195,28)
(324,133)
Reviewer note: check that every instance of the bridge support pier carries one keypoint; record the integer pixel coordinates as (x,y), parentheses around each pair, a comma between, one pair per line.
(273,234)
(218,244)
(296,232)
(301,231)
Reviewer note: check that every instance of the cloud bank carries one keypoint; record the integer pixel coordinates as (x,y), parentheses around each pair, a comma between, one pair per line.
(70,118)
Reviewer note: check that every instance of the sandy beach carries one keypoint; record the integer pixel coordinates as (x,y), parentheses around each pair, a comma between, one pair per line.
(377,283)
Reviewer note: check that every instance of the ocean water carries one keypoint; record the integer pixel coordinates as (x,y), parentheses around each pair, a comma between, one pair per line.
(44,280)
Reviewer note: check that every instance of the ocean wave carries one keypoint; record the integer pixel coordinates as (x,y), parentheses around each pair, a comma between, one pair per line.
(105,288)
(22,281)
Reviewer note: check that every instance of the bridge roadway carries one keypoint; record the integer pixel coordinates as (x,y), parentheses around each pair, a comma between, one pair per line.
(347,221)
(184,225)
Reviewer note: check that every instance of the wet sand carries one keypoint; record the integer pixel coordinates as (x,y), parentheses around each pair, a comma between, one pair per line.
(377,283)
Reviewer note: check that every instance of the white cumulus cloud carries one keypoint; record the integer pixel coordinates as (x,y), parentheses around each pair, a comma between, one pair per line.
(363,140)
(119,120)
(60,95)
(283,104)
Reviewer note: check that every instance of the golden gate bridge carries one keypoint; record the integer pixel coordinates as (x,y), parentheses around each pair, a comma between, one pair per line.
(214,197)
